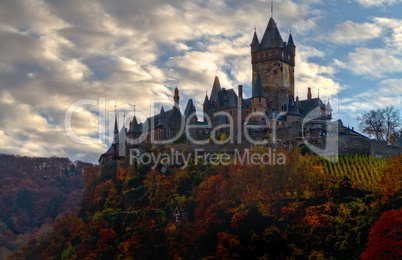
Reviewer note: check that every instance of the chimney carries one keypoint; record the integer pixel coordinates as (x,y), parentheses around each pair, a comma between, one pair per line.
(240,91)
(309,94)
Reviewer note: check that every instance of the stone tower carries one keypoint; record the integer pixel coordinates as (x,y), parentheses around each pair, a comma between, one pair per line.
(274,60)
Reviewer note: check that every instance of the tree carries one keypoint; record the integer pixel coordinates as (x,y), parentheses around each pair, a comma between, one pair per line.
(385,241)
(382,124)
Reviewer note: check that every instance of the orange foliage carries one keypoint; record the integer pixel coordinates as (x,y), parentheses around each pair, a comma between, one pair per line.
(107,240)
(228,246)
(391,181)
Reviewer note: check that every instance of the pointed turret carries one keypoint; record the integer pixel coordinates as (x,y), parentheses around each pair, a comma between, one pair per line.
(290,41)
(215,90)
(189,108)
(255,44)
(329,109)
(162,117)
(266,41)
(258,90)
(162,114)
(206,99)
(291,107)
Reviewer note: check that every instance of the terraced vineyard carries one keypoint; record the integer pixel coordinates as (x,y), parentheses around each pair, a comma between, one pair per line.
(363,170)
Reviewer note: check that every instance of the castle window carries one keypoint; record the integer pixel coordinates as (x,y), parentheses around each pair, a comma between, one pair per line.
(282,55)
(259,100)
(160,134)
(254,110)
(153,135)
(230,112)
(288,57)
(270,54)
(167,133)
(264,55)
(277,52)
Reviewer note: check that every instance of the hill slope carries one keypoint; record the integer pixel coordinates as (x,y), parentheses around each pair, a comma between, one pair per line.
(300,210)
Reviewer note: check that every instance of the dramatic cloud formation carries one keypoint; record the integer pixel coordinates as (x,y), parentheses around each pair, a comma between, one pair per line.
(55,53)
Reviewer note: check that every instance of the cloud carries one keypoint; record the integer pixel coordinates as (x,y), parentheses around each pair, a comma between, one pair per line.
(318,77)
(55,53)
(350,32)
(373,63)
(386,93)
(371,3)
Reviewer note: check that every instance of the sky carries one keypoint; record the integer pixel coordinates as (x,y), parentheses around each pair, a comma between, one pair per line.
(104,53)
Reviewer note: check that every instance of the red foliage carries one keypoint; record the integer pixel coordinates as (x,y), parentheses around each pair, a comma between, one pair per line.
(385,238)
(107,240)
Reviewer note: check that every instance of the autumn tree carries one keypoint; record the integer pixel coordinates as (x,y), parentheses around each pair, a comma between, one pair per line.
(385,238)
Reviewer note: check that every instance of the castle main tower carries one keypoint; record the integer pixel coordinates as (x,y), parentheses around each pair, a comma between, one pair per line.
(274,60)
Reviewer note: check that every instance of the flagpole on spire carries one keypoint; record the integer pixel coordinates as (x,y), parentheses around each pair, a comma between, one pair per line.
(272,9)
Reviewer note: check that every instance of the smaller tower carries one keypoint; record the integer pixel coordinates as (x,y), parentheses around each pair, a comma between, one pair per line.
(255,44)
(176,98)
(258,100)
(291,45)
(206,106)
(309,94)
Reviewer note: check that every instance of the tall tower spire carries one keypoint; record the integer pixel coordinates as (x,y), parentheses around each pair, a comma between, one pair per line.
(176,98)
(116,129)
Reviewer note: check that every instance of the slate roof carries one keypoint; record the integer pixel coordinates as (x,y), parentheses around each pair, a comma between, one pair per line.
(228,98)
(291,108)
(255,39)
(306,106)
(134,126)
(258,90)
(266,41)
(216,87)
(206,99)
(246,103)
(162,114)
(152,122)
(222,120)
(190,108)
(290,41)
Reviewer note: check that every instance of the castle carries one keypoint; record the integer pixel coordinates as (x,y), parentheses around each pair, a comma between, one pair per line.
(272,110)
